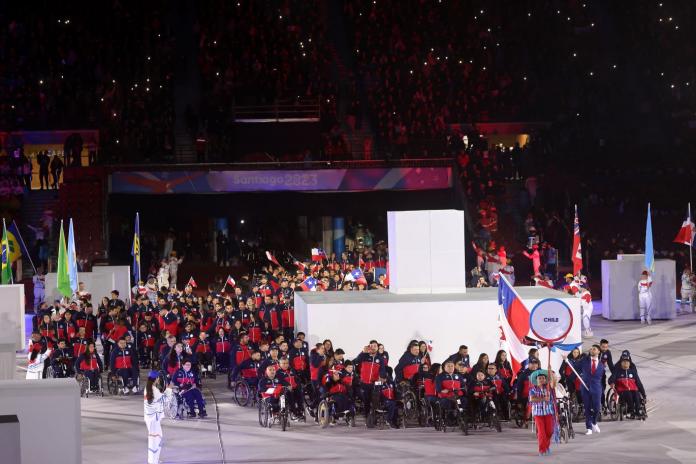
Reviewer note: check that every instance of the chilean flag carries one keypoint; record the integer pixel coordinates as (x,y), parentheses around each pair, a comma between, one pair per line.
(357,276)
(230,281)
(687,233)
(318,254)
(514,321)
(309,284)
(576,254)
(192,282)
(272,258)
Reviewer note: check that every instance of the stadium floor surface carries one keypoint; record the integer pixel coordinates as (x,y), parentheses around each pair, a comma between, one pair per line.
(113,430)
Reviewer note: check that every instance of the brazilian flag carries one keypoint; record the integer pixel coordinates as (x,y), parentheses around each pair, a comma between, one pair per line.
(6,274)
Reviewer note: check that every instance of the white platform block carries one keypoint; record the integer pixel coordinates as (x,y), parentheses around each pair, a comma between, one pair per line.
(426,252)
(447,242)
(49,418)
(100,282)
(620,288)
(351,319)
(10,439)
(12,315)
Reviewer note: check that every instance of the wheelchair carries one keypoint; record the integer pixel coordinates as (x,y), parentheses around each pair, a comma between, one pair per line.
(455,417)
(519,413)
(326,413)
(268,417)
(86,386)
(311,399)
(565,419)
(618,410)
(576,408)
(376,417)
(115,385)
(482,412)
(412,407)
(148,360)
(174,405)
(245,392)
(61,370)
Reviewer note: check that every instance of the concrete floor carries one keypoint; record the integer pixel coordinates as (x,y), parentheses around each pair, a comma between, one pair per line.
(114,432)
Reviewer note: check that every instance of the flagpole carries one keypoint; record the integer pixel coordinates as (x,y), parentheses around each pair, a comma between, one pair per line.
(691,247)
(25,246)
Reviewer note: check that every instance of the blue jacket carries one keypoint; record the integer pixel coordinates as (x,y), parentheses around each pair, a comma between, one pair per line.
(584,368)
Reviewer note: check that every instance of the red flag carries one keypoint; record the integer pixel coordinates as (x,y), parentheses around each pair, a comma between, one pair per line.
(272,258)
(576,253)
(230,281)
(192,283)
(687,233)
(386,277)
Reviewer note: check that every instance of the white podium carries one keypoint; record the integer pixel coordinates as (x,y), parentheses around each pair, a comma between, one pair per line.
(426,252)
(620,288)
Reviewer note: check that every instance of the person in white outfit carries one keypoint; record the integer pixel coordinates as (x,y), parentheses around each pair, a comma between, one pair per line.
(687,289)
(586,308)
(153,414)
(174,263)
(163,275)
(645,297)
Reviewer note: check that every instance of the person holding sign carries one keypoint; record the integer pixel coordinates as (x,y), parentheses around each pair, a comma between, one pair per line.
(543,401)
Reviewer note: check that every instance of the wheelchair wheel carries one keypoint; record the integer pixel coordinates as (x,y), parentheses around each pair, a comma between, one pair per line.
(351,420)
(371,420)
(495,421)
(283,413)
(611,405)
(112,385)
(410,407)
(463,424)
(324,414)
(563,432)
(620,407)
(443,420)
(424,412)
(170,406)
(50,373)
(264,414)
(242,394)
(83,382)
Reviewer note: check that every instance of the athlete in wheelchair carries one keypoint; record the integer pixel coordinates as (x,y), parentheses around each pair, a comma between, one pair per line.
(273,402)
(337,402)
(61,361)
(189,390)
(88,368)
(384,405)
(451,408)
(482,409)
(407,373)
(123,374)
(626,398)
(244,380)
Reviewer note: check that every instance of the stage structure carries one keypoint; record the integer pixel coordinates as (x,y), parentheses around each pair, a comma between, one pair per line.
(99,283)
(620,288)
(426,248)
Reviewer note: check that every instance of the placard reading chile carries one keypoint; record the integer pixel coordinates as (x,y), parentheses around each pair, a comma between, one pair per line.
(551,320)
(341,180)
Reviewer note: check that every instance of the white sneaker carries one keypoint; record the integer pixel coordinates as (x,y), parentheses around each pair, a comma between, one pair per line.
(595,428)
(589,432)
(203,369)
(135,389)
(649,321)
(642,321)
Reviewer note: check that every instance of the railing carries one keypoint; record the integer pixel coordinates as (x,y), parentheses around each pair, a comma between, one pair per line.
(282,111)
(275,165)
